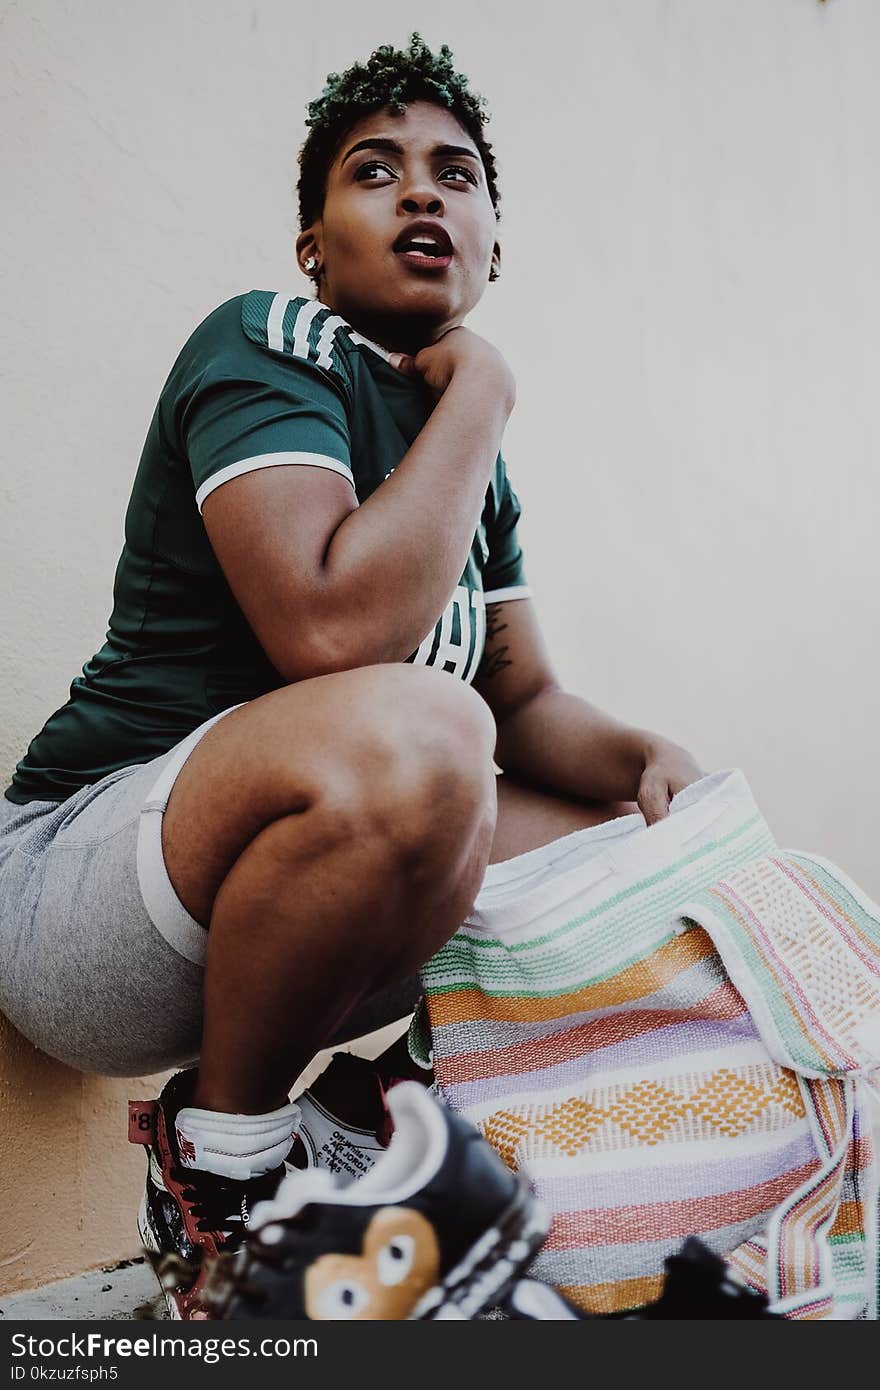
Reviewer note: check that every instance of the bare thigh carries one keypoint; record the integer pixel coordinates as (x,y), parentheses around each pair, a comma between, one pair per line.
(279,755)
(529,818)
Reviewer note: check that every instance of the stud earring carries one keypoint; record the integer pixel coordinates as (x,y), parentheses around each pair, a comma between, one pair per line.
(493,274)
(310,263)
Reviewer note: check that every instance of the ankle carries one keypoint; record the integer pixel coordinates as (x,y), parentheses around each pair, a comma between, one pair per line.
(218,1094)
(234,1103)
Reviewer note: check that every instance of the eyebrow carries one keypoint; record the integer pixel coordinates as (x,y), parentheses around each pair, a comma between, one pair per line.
(381,142)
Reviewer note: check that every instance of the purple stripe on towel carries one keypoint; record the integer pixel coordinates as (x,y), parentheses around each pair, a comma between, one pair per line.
(640,1186)
(680,1040)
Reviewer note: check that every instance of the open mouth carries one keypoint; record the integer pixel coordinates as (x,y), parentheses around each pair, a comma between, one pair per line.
(424,250)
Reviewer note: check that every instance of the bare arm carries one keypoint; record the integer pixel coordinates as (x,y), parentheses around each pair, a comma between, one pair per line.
(329,585)
(398,557)
(547,735)
(557,740)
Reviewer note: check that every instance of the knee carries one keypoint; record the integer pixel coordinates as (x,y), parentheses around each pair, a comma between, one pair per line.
(444,744)
(429,712)
(419,771)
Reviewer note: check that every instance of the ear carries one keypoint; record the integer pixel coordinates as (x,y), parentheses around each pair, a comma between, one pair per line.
(308,243)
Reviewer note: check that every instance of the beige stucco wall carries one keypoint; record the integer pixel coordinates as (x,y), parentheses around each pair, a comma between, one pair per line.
(69,1181)
(690,299)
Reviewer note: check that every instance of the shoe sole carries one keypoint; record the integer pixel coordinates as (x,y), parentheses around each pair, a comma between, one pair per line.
(492,1265)
(150,1242)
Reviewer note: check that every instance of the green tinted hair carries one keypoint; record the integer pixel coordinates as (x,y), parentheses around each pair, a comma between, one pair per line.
(390,78)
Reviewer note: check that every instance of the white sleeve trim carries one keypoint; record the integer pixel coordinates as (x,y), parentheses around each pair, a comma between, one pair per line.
(235,470)
(502,595)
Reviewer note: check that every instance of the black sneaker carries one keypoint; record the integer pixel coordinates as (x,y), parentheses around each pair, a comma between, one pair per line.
(697,1287)
(439,1228)
(187,1217)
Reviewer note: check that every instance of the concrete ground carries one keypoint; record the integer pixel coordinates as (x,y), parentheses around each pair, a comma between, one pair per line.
(127,1290)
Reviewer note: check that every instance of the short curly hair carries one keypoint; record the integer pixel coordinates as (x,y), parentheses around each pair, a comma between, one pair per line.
(390,78)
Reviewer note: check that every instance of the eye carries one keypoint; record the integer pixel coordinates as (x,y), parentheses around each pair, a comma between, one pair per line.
(460,169)
(372,164)
(342,1299)
(396,1259)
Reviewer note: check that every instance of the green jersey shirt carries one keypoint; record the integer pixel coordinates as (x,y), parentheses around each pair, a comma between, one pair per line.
(265,380)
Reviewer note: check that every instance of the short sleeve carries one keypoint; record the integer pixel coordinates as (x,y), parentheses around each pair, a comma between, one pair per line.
(245,407)
(503,574)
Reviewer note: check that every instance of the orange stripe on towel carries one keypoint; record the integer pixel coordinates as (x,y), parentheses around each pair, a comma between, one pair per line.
(637,981)
(618,1297)
(558,1048)
(849,1220)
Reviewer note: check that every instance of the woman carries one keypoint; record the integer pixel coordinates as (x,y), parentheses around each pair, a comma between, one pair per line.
(266,778)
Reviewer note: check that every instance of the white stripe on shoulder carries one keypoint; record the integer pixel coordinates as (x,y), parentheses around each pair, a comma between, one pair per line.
(368,342)
(235,470)
(302,325)
(326,339)
(503,595)
(275,322)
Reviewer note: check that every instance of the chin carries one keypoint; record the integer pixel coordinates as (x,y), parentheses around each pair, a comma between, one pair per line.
(404,314)
(420,300)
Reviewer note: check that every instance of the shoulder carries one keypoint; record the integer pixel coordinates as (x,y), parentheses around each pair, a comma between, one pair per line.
(293,327)
(265,332)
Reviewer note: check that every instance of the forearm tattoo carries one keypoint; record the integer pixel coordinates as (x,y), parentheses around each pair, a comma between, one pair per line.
(495,658)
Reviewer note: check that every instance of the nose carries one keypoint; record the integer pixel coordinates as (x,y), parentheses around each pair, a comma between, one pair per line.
(421,199)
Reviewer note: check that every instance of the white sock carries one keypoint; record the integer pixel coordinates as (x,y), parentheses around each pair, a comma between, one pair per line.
(235,1146)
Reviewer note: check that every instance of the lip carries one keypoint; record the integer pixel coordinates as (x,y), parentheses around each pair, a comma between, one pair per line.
(429,227)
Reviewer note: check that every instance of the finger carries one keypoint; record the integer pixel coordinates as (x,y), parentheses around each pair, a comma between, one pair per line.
(403,362)
(653,798)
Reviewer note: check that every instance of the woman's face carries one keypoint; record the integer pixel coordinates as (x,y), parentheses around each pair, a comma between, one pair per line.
(389,172)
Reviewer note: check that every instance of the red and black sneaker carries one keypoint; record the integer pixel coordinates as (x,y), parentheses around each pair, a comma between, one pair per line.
(187,1217)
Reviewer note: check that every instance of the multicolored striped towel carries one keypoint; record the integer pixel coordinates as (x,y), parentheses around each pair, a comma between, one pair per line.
(617,1048)
(801,942)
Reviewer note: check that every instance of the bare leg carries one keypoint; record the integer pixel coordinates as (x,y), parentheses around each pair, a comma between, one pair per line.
(333,834)
(528,818)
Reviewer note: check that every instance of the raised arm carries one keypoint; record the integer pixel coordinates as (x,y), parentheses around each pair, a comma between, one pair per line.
(329,585)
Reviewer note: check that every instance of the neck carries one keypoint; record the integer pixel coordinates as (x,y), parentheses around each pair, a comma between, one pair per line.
(395,332)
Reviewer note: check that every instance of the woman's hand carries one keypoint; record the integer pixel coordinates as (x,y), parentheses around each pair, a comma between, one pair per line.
(460,350)
(668,768)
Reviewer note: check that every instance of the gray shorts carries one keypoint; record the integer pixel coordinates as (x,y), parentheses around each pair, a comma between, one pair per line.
(101,965)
